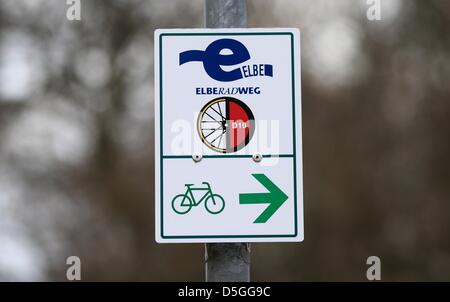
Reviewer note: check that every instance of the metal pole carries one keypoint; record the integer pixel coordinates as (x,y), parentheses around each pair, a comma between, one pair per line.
(227,262)
(226,13)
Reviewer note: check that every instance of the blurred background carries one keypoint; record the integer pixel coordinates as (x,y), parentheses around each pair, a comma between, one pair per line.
(76,141)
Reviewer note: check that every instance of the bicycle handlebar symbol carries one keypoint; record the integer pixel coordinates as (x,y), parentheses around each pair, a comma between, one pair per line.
(183,203)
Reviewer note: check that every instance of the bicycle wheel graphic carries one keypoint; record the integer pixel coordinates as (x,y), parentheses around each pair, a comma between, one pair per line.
(226,125)
(214,204)
(181,204)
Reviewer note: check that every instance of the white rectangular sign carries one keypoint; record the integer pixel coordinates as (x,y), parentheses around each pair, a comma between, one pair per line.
(228,135)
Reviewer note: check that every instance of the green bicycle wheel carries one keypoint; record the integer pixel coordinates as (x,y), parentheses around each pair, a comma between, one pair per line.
(214,204)
(179,204)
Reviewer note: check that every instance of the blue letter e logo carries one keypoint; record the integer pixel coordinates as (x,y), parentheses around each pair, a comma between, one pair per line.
(213,60)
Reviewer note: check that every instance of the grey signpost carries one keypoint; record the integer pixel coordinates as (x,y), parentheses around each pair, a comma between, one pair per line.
(227,261)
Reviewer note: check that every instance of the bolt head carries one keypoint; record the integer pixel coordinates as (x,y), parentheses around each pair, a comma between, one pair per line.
(257,157)
(197,157)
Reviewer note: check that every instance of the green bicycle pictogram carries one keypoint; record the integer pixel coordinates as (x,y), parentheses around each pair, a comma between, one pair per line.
(183,203)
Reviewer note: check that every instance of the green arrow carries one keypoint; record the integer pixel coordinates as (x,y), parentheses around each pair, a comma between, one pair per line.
(275,198)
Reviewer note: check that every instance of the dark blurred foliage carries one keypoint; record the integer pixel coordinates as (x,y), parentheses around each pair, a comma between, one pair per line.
(76,132)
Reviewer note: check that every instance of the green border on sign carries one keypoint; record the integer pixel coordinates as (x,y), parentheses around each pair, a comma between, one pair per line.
(162,157)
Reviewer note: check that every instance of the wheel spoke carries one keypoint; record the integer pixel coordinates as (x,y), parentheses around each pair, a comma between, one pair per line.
(220,114)
(212,117)
(213,132)
(220,139)
(213,138)
(217,138)
(223,117)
